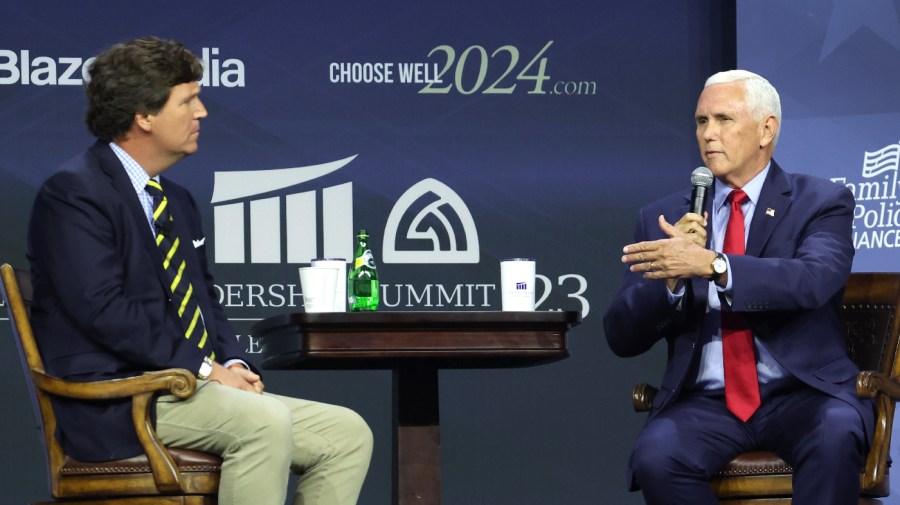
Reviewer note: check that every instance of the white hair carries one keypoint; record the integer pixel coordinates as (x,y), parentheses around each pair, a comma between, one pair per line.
(762,98)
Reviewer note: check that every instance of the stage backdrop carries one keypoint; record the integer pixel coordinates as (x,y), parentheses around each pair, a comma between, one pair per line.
(836,66)
(458,134)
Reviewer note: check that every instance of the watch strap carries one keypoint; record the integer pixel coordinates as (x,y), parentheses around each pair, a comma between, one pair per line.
(715,275)
(205,368)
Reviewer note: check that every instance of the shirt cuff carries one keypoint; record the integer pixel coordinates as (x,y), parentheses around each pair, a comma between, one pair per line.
(728,285)
(676,297)
(238,361)
(726,292)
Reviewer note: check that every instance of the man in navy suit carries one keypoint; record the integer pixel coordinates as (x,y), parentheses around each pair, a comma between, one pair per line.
(779,282)
(104,303)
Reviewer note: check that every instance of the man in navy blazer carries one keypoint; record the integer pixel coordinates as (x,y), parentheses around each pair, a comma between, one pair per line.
(103,301)
(786,288)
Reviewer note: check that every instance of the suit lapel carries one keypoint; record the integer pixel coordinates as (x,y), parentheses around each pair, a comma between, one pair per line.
(113,168)
(774,202)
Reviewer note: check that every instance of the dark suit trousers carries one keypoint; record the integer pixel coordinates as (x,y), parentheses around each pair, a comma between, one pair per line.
(681,448)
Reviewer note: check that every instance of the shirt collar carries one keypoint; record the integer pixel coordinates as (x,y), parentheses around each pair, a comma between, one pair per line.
(752,188)
(136,173)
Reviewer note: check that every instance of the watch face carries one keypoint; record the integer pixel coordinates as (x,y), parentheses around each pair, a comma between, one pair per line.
(205,370)
(719,266)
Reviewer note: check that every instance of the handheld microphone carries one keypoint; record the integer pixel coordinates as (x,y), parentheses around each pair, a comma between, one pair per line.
(701,180)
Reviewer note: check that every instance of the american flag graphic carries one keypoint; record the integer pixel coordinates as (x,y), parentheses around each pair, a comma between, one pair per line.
(881,161)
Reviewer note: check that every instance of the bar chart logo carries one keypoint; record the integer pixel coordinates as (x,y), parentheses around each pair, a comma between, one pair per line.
(437,224)
(281,228)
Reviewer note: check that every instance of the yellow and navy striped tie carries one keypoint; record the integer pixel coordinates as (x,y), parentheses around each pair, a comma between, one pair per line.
(173,262)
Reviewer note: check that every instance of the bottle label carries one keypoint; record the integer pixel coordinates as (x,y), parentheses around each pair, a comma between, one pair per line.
(366,259)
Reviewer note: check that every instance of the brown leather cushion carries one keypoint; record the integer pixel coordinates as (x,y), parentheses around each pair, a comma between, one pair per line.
(756,463)
(761,464)
(187,461)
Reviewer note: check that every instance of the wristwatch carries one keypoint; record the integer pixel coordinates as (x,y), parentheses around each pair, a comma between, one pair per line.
(205,368)
(719,266)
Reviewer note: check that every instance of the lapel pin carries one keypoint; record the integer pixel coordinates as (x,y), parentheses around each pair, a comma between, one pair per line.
(770,212)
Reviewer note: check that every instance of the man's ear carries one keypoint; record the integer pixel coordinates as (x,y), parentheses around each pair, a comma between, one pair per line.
(769,130)
(143,121)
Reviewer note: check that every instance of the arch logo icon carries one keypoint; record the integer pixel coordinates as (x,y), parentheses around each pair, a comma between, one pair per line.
(437,227)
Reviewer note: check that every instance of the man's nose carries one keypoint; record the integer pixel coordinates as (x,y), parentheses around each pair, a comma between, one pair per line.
(201,110)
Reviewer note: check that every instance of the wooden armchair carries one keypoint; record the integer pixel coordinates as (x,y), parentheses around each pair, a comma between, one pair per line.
(160,476)
(871,310)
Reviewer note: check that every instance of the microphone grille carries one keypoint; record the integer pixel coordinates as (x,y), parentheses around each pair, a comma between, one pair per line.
(701,176)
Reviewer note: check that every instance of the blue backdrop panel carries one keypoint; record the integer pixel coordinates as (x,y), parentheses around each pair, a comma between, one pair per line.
(836,66)
(458,134)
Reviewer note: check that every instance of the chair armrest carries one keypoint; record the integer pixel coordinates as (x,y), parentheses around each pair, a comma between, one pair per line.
(177,381)
(142,389)
(642,397)
(869,384)
(886,391)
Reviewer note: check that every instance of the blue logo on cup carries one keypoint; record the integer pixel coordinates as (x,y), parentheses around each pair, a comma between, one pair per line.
(521,285)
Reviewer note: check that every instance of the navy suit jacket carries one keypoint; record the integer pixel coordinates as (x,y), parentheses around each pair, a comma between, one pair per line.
(101,306)
(788,286)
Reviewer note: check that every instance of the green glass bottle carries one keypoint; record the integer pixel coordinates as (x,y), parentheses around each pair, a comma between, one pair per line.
(362,282)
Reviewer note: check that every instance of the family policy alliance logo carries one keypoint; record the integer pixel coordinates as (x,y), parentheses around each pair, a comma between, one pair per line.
(876,218)
(261,218)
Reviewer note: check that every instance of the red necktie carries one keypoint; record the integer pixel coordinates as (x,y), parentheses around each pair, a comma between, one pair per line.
(741,383)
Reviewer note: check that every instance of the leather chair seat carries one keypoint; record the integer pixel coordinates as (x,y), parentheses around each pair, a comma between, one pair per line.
(756,463)
(186,460)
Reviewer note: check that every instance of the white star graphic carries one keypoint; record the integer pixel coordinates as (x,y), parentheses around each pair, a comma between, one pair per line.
(848,16)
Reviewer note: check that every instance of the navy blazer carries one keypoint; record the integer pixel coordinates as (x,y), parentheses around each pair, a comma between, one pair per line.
(788,286)
(101,306)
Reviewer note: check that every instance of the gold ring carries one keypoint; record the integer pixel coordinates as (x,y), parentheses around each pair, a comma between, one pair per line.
(652,268)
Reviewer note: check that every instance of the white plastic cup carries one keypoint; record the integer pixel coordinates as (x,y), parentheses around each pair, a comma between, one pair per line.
(517,277)
(318,284)
(340,292)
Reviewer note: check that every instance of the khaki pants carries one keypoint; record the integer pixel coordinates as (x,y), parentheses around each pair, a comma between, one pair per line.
(261,437)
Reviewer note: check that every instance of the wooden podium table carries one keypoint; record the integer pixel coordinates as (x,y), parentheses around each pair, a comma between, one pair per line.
(415,345)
